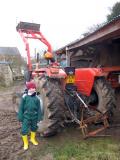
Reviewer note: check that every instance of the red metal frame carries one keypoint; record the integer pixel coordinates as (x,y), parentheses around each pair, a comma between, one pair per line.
(85,77)
(25,34)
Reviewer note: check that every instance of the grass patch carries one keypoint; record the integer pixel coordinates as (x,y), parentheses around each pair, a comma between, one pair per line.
(72,149)
(102,149)
(69,145)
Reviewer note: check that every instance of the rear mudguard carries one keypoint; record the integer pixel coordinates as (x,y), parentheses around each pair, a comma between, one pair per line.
(84,79)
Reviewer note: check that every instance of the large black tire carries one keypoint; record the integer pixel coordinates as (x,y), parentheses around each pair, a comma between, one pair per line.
(104,97)
(52,102)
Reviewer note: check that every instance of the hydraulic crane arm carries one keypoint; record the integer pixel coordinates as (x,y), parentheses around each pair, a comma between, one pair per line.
(31,30)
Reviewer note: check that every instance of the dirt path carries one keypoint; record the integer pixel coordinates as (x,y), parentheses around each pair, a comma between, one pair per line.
(10,139)
(10,143)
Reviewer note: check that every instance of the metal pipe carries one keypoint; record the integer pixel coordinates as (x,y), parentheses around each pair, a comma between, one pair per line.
(81,100)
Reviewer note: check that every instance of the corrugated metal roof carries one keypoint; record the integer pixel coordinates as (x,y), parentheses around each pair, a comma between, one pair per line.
(9,50)
(78,40)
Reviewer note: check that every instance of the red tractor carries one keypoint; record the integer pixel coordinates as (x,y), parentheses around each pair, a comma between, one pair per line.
(68,95)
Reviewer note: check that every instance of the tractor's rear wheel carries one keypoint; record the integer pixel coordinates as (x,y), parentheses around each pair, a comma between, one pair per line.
(52,102)
(102,97)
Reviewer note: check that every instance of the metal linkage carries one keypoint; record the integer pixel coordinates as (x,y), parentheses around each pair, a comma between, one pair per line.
(83,123)
(85,105)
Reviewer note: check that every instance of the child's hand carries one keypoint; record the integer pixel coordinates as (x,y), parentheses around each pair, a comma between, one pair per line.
(20,123)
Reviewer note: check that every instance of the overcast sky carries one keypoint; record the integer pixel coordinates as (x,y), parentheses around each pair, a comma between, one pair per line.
(62,21)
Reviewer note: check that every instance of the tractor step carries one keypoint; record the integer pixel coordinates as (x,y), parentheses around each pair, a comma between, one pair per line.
(28,26)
